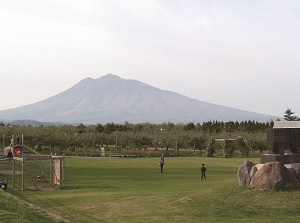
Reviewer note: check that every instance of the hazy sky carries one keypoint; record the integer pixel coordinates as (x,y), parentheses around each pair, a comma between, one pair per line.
(242,54)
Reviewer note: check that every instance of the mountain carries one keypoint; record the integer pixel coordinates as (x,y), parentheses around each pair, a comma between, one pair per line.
(27,122)
(113,99)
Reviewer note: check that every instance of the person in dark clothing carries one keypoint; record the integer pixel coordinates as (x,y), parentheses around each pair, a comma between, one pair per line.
(161,163)
(10,155)
(203,172)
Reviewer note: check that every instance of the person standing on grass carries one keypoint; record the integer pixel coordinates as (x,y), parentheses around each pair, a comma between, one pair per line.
(161,163)
(10,155)
(203,172)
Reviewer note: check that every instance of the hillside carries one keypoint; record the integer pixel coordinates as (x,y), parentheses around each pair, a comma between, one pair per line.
(27,212)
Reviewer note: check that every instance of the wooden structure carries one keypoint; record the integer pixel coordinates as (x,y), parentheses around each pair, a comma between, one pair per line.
(56,169)
(50,167)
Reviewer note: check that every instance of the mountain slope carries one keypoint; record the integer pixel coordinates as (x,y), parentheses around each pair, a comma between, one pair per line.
(113,99)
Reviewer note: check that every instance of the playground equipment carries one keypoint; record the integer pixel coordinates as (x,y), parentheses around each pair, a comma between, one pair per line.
(32,150)
(17,146)
(35,169)
(3,184)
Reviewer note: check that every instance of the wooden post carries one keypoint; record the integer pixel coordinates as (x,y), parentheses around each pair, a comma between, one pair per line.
(62,170)
(13,173)
(51,171)
(23,173)
(22,138)
(13,143)
(3,153)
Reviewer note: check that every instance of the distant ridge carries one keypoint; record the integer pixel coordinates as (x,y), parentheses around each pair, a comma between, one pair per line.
(112,99)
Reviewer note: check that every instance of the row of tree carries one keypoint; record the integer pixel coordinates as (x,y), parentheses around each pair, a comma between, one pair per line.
(244,137)
(127,137)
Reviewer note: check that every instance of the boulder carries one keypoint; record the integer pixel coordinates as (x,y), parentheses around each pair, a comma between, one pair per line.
(274,176)
(243,173)
(253,171)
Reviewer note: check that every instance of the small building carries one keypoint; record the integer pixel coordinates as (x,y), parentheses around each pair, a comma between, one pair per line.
(283,143)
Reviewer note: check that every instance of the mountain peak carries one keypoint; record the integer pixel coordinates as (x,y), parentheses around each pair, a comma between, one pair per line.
(110,76)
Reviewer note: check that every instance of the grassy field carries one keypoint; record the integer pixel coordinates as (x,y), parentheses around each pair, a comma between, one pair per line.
(134,190)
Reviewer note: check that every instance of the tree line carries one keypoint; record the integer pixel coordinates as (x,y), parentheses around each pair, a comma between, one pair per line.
(207,138)
(144,137)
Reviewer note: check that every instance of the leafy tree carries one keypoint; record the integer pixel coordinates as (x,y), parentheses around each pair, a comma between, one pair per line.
(243,146)
(211,148)
(110,128)
(81,128)
(288,115)
(99,128)
(229,126)
(189,126)
(228,148)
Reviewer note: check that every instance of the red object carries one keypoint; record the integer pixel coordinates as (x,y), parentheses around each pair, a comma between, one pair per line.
(18,150)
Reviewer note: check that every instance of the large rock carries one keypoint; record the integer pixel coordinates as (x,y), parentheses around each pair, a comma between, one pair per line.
(243,174)
(274,176)
(253,171)
(296,168)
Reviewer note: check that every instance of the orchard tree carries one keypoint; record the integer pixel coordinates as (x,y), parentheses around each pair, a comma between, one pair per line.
(211,148)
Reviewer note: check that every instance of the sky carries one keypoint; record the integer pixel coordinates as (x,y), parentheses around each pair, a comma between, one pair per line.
(242,54)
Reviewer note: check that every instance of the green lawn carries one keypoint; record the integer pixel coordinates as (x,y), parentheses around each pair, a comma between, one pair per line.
(134,190)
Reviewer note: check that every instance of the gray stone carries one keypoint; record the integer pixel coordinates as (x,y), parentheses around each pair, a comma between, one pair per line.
(274,176)
(243,173)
